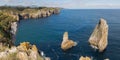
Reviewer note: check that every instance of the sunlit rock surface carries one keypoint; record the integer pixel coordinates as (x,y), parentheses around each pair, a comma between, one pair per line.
(99,37)
(66,43)
(25,51)
(13,30)
(85,58)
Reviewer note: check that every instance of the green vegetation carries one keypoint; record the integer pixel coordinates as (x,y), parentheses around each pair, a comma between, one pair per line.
(5,24)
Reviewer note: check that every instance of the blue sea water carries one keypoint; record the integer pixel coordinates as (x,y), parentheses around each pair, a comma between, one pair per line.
(47,33)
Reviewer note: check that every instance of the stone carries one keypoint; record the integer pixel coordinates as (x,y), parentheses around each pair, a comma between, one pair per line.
(99,38)
(22,56)
(24,46)
(85,58)
(66,43)
(34,48)
(33,55)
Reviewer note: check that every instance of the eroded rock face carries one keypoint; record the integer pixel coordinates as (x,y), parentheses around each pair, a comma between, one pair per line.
(13,30)
(85,58)
(99,37)
(66,43)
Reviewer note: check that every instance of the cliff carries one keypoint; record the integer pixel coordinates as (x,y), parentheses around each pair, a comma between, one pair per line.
(9,18)
(99,37)
(29,13)
(66,43)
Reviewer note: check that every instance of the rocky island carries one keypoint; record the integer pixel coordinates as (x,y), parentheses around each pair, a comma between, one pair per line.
(66,43)
(99,38)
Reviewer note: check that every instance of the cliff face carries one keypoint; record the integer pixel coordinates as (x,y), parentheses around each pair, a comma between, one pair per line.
(66,43)
(13,30)
(40,14)
(99,37)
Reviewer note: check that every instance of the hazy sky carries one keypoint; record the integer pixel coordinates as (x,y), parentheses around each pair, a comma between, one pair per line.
(73,4)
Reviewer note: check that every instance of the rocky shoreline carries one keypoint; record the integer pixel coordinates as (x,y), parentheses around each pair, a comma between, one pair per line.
(8,50)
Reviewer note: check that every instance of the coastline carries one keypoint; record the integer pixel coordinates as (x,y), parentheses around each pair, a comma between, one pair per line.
(13,24)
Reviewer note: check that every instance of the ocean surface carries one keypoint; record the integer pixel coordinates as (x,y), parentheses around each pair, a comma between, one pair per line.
(47,33)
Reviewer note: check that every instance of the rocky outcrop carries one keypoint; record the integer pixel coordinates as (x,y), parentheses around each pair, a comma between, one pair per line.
(85,58)
(66,43)
(99,37)
(24,51)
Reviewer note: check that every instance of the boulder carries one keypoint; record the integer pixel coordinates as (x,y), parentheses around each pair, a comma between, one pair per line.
(99,38)
(85,58)
(66,43)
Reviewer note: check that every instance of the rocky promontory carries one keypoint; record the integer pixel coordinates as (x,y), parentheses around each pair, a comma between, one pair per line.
(66,43)
(99,37)
(25,51)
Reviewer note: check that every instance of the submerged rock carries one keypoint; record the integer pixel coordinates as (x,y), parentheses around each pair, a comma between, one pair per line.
(99,38)
(85,58)
(66,43)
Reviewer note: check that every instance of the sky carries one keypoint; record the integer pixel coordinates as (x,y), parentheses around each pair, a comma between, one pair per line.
(69,4)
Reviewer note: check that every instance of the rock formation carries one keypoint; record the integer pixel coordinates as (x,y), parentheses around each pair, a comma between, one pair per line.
(66,43)
(40,13)
(99,37)
(85,58)
(25,51)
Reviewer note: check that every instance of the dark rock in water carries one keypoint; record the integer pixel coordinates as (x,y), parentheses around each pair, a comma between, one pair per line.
(66,43)
(99,37)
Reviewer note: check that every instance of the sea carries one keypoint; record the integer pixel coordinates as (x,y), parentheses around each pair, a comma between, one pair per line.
(47,33)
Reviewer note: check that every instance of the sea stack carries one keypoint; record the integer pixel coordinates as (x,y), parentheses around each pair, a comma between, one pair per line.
(99,38)
(85,58)
(66,43)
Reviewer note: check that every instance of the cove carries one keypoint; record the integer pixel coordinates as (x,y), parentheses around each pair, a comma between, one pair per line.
(47,33)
